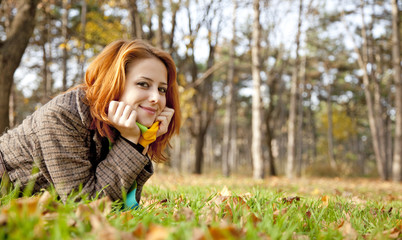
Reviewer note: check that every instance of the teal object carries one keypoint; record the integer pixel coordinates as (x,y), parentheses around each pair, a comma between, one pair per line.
(131,201)
(142,127)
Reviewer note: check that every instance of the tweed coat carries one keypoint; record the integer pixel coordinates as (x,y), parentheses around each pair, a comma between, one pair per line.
(55,146)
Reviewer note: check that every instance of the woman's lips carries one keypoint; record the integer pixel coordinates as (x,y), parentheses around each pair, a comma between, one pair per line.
(149,110)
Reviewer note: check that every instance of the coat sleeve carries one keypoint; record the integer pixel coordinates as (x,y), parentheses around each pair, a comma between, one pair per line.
(65,146)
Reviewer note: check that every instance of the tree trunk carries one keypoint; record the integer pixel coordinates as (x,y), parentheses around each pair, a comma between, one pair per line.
(64,30)
(291,155)
(330,137)
(83,38)
(13,102)
(159,32)
(270,121)
(396,60)
(11,51)
(46,55)
(174,8)
(300,117)
(149,20)
(256,148)
(372,102)
(229,140)
(136,24)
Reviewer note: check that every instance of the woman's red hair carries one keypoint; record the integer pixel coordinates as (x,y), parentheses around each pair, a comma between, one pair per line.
(105,80)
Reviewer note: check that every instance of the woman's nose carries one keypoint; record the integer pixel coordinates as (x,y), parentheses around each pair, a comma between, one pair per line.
(154,96)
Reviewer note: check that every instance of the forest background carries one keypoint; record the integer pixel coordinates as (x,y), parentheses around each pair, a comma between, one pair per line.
(273,87)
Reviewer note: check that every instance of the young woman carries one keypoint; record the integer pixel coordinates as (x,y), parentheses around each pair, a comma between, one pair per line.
(89,138)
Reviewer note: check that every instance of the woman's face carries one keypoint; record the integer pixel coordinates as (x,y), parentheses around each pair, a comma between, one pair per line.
(145,89)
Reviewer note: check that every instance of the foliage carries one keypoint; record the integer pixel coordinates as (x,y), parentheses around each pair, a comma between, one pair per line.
(344,126)
(194,207)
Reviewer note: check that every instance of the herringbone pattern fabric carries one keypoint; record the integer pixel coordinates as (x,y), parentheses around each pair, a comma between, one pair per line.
(55,146)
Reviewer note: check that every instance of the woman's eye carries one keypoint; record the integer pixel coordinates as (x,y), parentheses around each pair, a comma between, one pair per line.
(162,90)
(143,84)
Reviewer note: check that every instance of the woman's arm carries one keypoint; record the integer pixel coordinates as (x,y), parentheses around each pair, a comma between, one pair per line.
(65,145)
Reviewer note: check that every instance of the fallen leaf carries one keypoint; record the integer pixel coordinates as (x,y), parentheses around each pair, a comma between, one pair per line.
(348,232)
(225,192)
(308,213)
(139,231)
(324,201)
(289,200)
(393,233)
(104,205)
(156,232)
(183,212)
(225,232)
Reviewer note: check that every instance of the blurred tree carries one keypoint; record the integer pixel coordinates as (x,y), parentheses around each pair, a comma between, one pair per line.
(256,148)
(292,131)
(396,57)
(371,67)
(12,48)
(229,147)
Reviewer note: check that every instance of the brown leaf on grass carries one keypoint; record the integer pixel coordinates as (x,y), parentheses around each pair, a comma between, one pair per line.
(393,233)
(154,232)
(225,232)
(198,234)
(104,205)
(124,217)
(296,236)
(345,227)
(157,232)
(279,212)
(223,204)
(308,214)
(139,231)
(289,200)
(324,201)
(225,192)
(183,212)
(95,213)
(84,212)
(44,201)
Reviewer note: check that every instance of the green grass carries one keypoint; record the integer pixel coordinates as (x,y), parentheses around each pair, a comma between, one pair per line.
(196,207)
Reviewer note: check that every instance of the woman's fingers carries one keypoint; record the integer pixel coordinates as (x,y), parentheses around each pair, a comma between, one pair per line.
(164,120)
(123,117)
(112,108)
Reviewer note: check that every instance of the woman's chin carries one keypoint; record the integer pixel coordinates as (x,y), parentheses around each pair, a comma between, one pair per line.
(147,124)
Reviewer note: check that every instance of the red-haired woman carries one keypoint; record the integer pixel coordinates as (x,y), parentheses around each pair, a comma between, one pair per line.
(89,137)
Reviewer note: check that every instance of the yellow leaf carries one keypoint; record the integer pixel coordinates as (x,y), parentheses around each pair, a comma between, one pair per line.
(324,201)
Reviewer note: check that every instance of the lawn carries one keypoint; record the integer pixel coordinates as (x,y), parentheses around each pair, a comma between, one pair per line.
(213,207)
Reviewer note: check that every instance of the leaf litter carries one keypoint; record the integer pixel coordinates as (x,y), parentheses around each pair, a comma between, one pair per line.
(222,214)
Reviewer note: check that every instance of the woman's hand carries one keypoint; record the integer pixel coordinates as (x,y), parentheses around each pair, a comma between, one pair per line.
(164,119)
(123,118)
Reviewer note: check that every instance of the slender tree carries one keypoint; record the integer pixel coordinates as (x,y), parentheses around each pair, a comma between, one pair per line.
(136,23)
(229,132)
(373,98)
(82,57)
(396,60)
(11,51)
(64,31)
(291,155)
(256,148)
(159,32)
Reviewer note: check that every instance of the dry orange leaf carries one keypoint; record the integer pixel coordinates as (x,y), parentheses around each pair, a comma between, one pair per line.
(157,232)
(226,232)
(324,201)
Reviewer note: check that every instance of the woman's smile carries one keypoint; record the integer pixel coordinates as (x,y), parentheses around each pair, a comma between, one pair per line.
(149,110)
